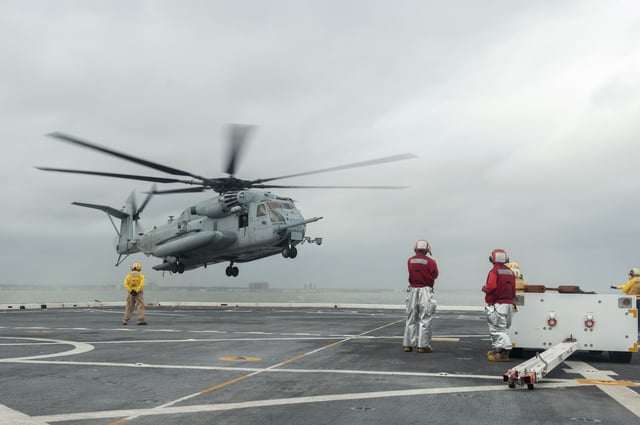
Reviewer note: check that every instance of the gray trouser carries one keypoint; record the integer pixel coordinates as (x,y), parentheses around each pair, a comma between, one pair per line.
(420,308)
(499,320)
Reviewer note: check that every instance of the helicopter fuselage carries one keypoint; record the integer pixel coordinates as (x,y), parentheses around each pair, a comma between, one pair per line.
(234,227)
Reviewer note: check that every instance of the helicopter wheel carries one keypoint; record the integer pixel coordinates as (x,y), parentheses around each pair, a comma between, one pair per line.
(180,268)
(293,252)
(286,252)
(232,271)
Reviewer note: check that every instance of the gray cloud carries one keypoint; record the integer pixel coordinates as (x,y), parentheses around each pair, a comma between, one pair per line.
(524,119)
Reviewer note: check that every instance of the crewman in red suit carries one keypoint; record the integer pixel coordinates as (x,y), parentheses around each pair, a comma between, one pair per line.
(500,293)
(423,271)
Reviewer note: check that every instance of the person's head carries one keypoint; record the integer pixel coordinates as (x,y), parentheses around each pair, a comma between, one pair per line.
(422,246)
(136,267)
(634,272)
(515,268)
(499,256)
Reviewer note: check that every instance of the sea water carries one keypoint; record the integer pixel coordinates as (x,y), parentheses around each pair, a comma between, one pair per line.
(48,294)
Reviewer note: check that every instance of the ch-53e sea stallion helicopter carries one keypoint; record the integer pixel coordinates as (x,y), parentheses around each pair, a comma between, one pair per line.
(237,226)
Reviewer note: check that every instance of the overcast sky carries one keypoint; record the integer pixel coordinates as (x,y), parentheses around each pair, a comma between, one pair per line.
(524,116)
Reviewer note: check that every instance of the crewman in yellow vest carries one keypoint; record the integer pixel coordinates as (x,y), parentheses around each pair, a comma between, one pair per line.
(520,282)
(632,287)
(134,284)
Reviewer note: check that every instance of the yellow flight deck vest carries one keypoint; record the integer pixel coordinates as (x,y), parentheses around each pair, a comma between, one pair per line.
(635,289)
(134,281)
(632,287)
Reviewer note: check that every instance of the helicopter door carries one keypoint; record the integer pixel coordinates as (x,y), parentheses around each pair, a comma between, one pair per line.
(262,224)
(243,220)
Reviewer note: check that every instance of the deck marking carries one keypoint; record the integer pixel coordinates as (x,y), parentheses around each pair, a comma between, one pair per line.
(239,359)
(164,341)
(10,416)
(283,402)
(257,372)
(607,382)
(269,370)
(78,348)
(622,394)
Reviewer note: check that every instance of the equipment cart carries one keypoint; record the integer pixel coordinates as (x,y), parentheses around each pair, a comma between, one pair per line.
(566,319)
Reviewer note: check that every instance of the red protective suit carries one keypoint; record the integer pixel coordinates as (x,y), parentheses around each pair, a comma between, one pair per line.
(501,285)
(423,270)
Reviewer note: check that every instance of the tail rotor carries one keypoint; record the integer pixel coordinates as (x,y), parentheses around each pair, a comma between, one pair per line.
(132,207)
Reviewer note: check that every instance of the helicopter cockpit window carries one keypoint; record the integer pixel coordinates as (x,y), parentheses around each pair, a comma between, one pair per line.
(280,205)
(270,208)
(275,216)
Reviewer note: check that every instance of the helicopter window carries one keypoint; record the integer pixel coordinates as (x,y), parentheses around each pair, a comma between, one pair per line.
(243,220)
(276,217)
(280,205)
(271,207)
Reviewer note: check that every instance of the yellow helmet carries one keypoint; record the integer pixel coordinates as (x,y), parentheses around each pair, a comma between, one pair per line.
(515,268)
(136,267)
(634,272)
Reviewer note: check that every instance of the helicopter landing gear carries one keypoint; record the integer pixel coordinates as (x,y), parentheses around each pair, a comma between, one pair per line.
(177,267)
(232,270)
(290,252)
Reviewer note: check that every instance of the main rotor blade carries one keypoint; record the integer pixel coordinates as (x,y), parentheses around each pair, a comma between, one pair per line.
(368,163)
(120,176)
(237,134)
(155,166)
(186,190)
(274,186)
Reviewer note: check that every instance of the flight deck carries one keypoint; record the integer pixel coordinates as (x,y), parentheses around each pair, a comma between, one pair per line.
(243,364)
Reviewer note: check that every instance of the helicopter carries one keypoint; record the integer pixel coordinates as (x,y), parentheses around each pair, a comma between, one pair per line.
(242,224)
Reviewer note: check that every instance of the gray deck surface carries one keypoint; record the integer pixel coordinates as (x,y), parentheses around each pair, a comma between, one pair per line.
(253,365)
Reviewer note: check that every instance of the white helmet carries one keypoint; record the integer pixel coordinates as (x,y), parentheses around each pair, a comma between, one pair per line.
(634,272)
(422,246)
(499,256)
